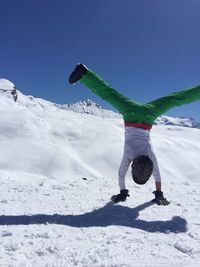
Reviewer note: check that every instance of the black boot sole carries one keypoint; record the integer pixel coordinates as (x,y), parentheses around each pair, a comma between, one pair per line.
(78,73)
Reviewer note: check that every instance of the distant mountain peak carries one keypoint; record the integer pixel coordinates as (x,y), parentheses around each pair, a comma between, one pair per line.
(8,88)
(86,103)
(90,107)
(177,121)
(6,84)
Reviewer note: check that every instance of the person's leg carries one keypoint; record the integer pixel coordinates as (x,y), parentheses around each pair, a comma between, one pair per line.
(161,105)
(99,87)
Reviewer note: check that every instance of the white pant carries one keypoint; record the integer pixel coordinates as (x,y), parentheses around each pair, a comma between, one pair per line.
(137,142)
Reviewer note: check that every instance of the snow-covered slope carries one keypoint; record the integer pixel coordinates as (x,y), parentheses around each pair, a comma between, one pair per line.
(58,169)
(83,107)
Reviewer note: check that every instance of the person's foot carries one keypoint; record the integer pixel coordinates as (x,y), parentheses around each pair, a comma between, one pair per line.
(77,74)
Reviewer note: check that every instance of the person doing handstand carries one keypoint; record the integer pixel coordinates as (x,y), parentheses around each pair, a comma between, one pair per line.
(138,121)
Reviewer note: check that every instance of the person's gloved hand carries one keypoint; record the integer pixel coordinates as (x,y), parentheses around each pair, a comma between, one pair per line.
(159,198)
(120,197)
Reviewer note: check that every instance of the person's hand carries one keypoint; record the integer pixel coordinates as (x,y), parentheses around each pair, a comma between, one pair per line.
(120,197)
(159,198)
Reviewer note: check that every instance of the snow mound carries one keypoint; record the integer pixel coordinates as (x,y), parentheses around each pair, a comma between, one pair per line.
(58,170)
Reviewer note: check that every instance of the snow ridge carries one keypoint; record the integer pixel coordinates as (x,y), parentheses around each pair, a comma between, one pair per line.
(9,90)
(92,108)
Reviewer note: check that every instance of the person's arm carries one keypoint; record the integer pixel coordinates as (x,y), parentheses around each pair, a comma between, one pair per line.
(124,193)
(159,198)
(158,186)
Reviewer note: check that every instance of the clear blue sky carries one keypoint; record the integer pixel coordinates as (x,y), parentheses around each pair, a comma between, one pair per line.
(144,48)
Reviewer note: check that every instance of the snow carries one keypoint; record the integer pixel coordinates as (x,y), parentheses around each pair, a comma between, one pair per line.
(58,170)
(6,84)
(185,122)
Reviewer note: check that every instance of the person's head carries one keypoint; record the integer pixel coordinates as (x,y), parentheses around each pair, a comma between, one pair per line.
(142,168)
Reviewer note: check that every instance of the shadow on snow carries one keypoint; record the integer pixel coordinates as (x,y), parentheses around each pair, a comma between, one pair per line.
(108,215)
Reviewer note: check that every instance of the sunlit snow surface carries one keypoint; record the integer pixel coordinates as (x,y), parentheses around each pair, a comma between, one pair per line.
(58,170)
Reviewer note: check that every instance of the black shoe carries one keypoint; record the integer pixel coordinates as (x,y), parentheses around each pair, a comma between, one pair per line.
(77,74)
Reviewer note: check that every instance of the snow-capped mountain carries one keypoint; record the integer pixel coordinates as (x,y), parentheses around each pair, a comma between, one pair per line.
(90,107)
(8,89)
(58,170)
(85,107)
(179,121)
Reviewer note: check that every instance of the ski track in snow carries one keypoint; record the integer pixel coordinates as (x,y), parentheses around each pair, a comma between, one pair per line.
(58,170)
